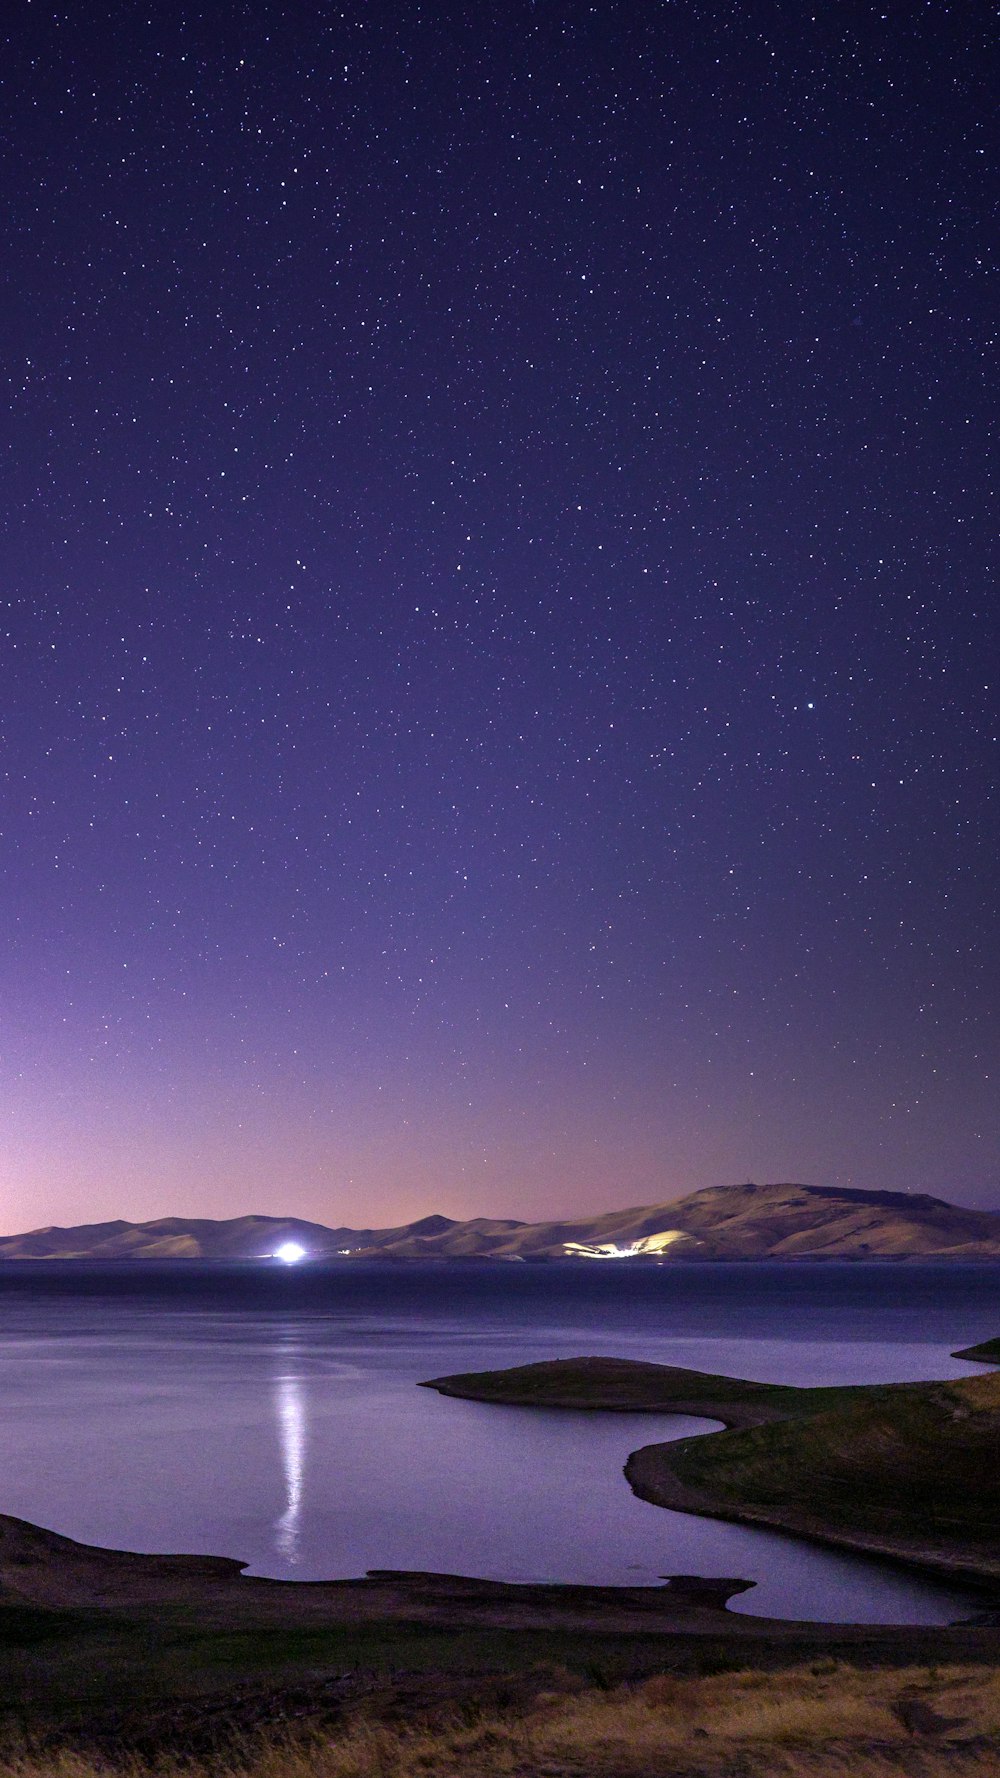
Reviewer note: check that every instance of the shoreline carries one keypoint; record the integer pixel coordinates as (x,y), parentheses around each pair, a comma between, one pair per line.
(119,1648)
(830,1425)
(44,1571)
(650,1476)
(641,1262)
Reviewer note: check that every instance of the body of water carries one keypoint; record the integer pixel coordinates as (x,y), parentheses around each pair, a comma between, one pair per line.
(272,1413)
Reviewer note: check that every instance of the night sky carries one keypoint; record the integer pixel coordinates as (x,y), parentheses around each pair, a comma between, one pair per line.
(498,671)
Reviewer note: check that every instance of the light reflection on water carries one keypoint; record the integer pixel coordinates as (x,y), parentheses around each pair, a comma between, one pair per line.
(290,1406)
(286,1430)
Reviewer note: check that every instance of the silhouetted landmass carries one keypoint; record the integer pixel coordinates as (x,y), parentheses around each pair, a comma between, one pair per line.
(157,1666)
(625,1385)
(906,1470)
(734,1222)
(987,1352)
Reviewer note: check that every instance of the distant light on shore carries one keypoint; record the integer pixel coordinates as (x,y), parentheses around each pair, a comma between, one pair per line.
(644,1248)
(290,1253)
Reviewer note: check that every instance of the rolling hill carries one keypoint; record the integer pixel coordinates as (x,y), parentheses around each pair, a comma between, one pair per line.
(734,1222)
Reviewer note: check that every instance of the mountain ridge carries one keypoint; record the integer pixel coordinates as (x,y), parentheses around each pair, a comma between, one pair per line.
(747,1222)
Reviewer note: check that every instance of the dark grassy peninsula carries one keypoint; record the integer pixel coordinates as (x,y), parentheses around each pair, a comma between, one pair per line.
(623,1385)
(987,1352)
(908,1471)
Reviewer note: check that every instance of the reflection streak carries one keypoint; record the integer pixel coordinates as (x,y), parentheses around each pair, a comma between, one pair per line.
(291,1411)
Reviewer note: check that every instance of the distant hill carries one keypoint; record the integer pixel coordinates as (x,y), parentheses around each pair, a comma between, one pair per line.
(170,1237)
(787,1222)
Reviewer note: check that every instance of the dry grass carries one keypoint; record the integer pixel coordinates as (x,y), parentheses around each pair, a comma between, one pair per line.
(824,1721)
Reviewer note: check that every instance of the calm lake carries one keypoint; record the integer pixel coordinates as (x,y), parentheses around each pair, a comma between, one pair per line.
(271,1413)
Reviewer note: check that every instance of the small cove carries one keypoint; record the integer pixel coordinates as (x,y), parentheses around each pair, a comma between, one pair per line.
(276,1418)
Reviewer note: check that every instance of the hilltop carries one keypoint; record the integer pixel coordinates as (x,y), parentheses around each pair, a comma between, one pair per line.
(733,1222)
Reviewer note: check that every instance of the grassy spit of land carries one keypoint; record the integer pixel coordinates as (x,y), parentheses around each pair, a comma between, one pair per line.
(987,1352)
(910,1471)
(625,1385)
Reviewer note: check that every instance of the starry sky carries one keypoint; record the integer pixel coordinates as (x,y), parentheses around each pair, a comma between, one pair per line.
(499,705)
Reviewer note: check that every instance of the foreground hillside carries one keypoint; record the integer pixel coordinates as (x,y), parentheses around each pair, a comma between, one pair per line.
(824,1720)
(116,1663)
(733,1222)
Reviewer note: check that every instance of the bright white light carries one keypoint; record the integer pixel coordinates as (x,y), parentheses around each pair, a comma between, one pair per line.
(290,1252)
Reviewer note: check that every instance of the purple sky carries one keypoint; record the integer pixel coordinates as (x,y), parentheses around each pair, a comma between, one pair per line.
(498,675)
